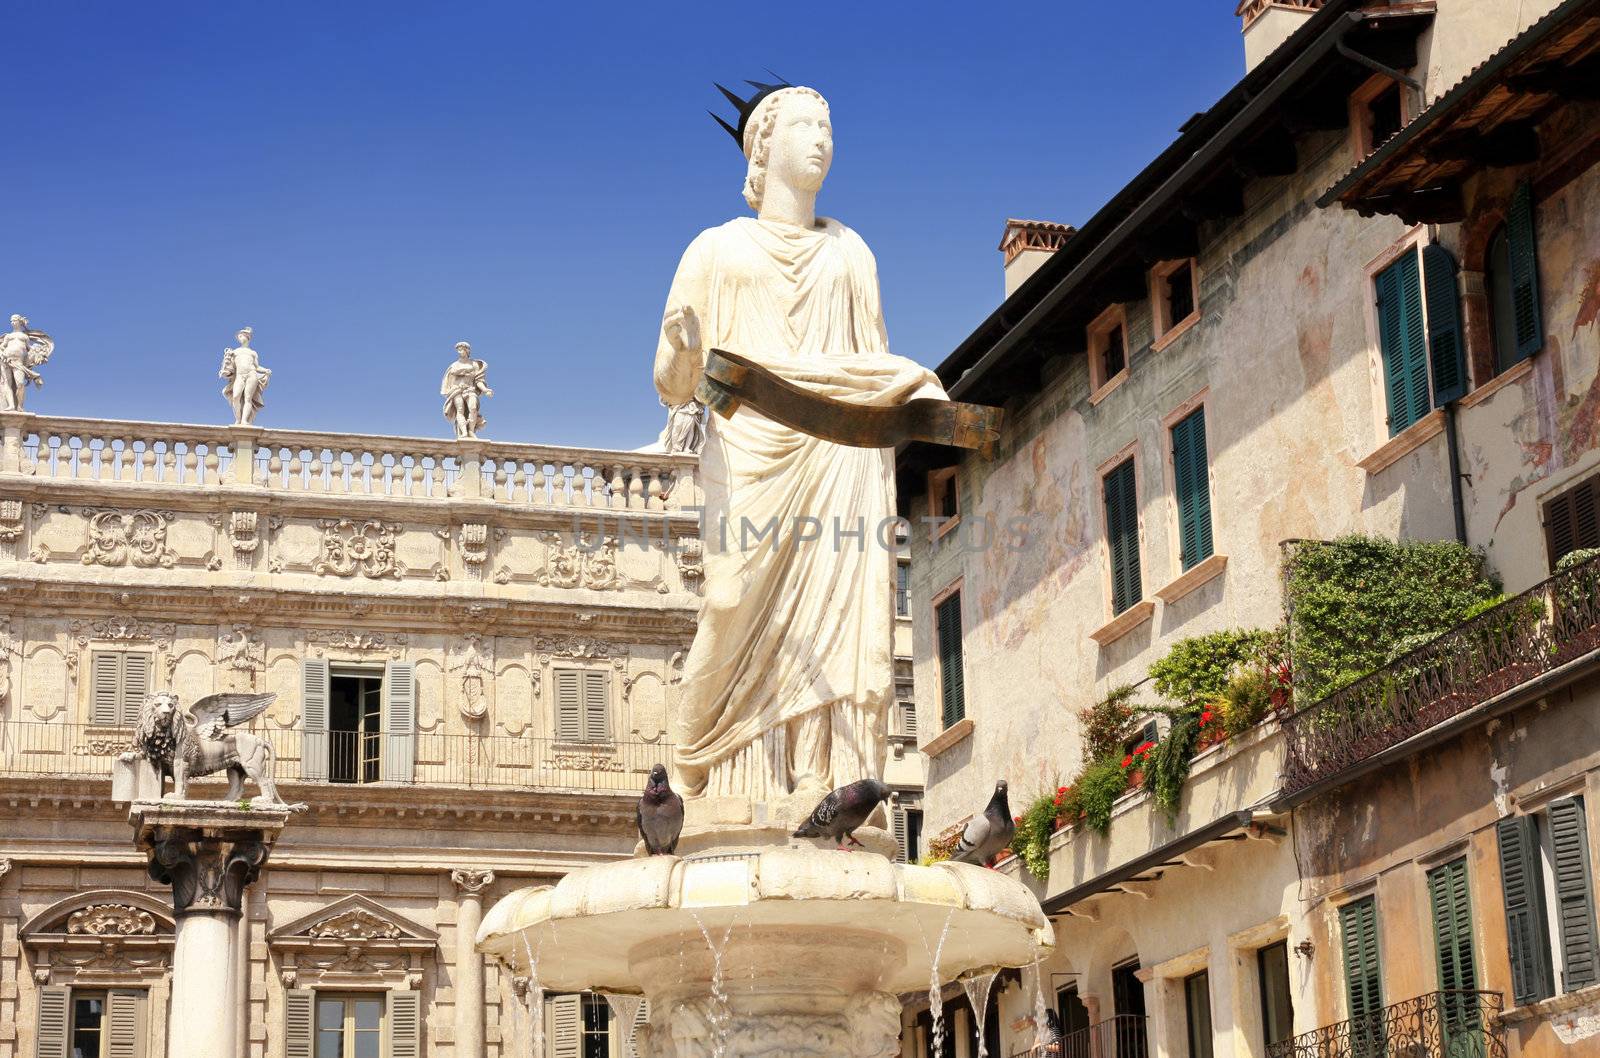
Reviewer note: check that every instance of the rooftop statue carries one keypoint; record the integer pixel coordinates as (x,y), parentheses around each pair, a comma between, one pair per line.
(247,379)
(788,681)
(21,350)
(686,429)
(463,390)
(190,744)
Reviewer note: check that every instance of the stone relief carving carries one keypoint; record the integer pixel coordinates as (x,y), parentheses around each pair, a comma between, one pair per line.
(355,924)
(244,535)
(103,920)
(10,526)
(241,656)
(209,875)
(347,639)
(476,665)
(123,630)
(470,882)
(350,547)
(547,648)
(120,538)
(8,646)
(585,563)
(473,540)
(691,561)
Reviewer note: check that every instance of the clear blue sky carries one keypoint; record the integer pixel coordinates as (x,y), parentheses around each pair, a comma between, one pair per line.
(365,184)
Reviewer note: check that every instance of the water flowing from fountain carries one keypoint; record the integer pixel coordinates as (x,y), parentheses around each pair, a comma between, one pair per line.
(935,991)
(533,997)
(625,1009)
(977,988)
(1041,1020)
(720,1011)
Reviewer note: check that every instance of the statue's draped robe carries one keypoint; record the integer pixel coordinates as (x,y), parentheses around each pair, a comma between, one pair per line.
(791,672)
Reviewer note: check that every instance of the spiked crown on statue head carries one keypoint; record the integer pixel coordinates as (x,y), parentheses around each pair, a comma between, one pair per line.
(747,107)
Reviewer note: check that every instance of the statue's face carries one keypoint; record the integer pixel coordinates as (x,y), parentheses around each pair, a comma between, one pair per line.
(463,351)
(16,323)
(801,148)
(242,338)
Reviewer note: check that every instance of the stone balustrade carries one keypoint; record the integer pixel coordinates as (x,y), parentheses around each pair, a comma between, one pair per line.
(107,451)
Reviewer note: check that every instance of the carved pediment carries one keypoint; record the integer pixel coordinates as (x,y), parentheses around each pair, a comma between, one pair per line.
(100,937)
(354,919)
(102,913)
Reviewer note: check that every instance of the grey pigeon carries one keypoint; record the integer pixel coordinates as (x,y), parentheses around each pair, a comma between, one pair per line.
(660,814)
(1055,1040)
(839,814)
(986,834)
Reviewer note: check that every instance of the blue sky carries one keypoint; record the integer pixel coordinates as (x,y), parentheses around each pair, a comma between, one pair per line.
(365,184)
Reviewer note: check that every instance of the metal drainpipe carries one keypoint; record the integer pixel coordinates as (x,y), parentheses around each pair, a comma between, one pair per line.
(1343,48)
(1453,449)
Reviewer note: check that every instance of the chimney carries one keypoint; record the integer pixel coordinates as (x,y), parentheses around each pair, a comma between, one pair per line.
(1027,244)
(1268,23)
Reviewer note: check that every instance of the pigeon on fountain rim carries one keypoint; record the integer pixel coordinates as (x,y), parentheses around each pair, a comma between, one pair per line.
(839,814)
(988,832)
(660,814)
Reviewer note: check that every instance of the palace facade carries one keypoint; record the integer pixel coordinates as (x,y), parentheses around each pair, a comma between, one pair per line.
(1359,295)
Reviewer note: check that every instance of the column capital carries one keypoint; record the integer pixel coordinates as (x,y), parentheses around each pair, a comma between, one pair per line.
(470,882)
(208,852)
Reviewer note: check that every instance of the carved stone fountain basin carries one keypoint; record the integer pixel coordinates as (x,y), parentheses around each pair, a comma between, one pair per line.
(740,952)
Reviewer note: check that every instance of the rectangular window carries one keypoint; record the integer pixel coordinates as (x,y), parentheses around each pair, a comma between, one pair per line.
(907,822)
(1402,341)
(952,691)
(1452,938)
(1127,1002)
(1197,1011)
(355,726)
(1363,975)
(75,1023)
(1191,477)
(1108,349)
(902,589)
(1122,536)
(908,718)
(1548,889)
(1074,1016)
(1277,1003)
(1174,295)
(1511,280)
(1377,112)
(913,834)
(944,498)
(583,705)
(349,1026)
(119,682)
(596,1039)
(1572,520)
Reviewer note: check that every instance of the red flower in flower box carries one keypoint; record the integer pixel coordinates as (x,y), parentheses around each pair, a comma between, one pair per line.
(1128,760)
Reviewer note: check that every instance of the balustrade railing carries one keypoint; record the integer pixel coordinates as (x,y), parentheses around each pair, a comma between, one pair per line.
(1528,635)
(1120,1036)
(299,461)
(47,750)
(1436,1025)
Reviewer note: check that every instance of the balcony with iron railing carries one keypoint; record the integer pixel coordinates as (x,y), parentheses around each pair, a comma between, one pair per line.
(1436,1025)
(1121,1036)
(1511,652)
(56,751)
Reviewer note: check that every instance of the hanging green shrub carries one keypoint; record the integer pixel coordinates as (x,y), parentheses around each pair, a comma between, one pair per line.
(1247,699)
(1098,788)
(1032,840)
(1196,670)
(1104,725)
(1353,600)
(1167,766)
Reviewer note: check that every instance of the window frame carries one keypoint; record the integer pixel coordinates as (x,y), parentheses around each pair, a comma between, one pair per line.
(1360,103)
(1168,330)
(1201,1045)
(952,589)
(1128,454)
(937,479)
(585,737)
(902,589)
(1099,329)
(1200,403)
(365,740)
(1282,943)
(127,710)
(347,1037)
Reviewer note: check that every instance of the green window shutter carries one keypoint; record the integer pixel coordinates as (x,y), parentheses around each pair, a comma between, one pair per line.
(596,705)
(1446,349)
(1192,484)
(564,1027)
(1122,532)
(404,1024)
(952,677)
(1527,315)
(1452,935)
(1569,846)
(399,721)
(54,1027)
(124,1024)
(1402,341)
(314,722)
(1527,930)
(569,705)
(1363,973)
(298,1006)
(105,683)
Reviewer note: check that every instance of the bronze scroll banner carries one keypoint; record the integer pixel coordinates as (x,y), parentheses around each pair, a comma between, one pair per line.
(731,380)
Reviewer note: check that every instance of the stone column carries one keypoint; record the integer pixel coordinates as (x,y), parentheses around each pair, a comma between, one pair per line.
(12,426)
(243,441)
(209,852)
(469,964)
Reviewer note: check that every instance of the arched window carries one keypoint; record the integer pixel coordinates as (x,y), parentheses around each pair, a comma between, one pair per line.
(1497,284)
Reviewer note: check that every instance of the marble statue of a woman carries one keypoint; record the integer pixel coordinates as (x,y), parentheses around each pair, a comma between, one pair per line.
(787,684)
(246,378)
(463,390)
(21,350)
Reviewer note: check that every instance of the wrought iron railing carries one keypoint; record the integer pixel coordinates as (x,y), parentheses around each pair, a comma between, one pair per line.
(1121,1036)
(1528,635)
(47,750)
(1436,1025)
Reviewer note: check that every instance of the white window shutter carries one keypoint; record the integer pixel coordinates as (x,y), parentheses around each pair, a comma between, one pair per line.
(124,1024)
(135,685)
(55,1012)
(596,705)
(314,720)
(405,1024)
(299,1009)
(641,1018)
(569,706)
(900,833)
(105,683)
(399,721)
(564,1023)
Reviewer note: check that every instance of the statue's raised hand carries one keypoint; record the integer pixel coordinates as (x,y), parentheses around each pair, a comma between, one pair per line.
(682,328)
